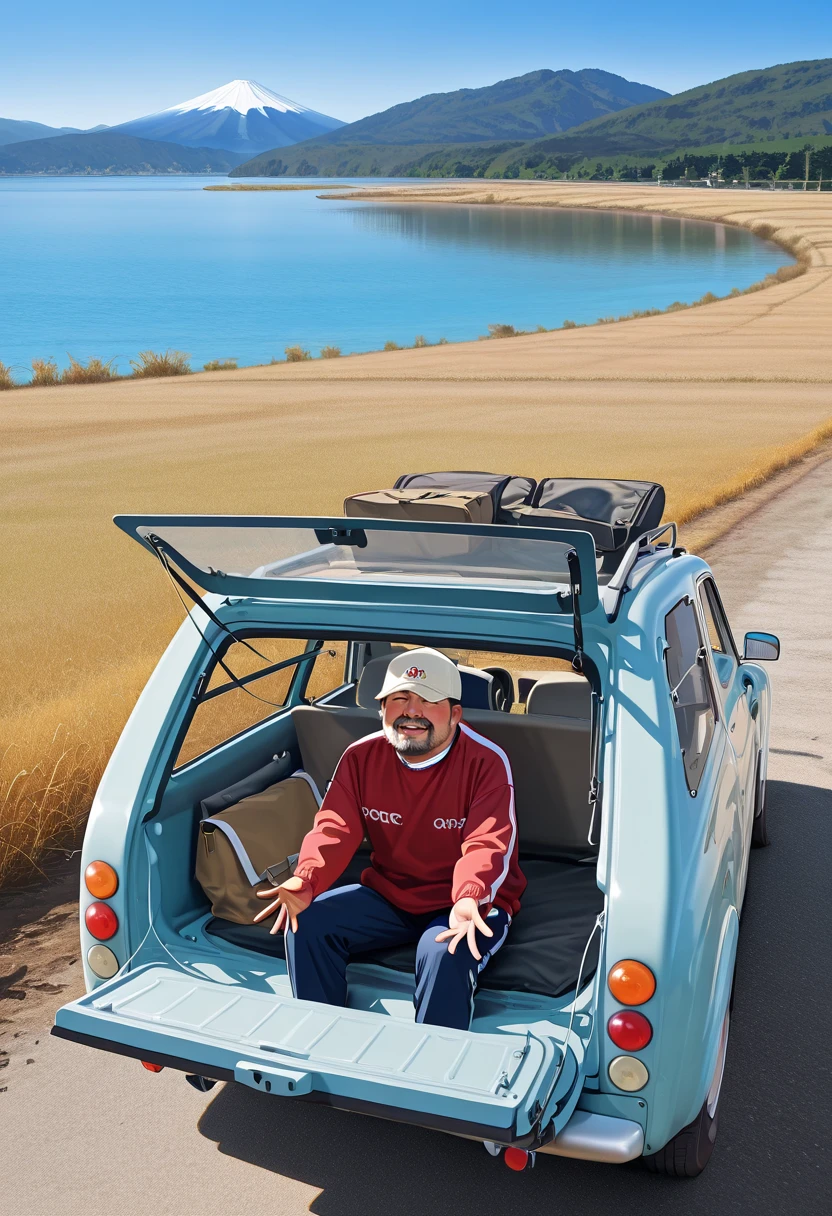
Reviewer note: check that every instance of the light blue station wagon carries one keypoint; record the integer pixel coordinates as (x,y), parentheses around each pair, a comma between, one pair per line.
(600,659)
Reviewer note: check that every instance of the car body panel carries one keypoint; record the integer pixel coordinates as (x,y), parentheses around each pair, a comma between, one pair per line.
(672,865)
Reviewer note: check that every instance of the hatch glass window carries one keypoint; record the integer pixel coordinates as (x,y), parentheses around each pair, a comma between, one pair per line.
(690,689)
(371,556)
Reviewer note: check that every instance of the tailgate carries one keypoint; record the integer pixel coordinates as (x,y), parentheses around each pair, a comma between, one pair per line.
(478,1084)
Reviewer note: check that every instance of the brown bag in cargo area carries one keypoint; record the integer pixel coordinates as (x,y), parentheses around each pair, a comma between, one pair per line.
(253,842)
(424,506)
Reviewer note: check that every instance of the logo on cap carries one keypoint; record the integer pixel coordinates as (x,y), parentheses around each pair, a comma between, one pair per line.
(414,673)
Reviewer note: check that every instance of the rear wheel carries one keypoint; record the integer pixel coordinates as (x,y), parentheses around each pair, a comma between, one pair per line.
(759,832)
(687,1154)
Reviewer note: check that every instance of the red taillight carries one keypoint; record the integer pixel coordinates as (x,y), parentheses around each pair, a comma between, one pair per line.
(516,1158)
(101,921)
(629,1030)
(152,1067)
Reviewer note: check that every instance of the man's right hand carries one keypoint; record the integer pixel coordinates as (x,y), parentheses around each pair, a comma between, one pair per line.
(293,897)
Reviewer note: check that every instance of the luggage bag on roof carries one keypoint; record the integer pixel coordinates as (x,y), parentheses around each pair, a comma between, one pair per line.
(505,490)
(614,512)
(427,506)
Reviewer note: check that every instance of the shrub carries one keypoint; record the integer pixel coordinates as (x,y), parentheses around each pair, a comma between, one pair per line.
(502,331)
(540,329)
(330,352)
(442,342)
(569,325)
(708,298)
(391,346)
(676,306)
(6,380)
(93,372)
(784,273)
(420,340)
(296,354)
(162,363)
(220,365)
(45,372)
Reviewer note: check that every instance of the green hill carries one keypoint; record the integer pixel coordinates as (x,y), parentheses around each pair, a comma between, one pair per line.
(15,130)
(110,153)
(523,108)
(323,159)
(783,107)
(789,101)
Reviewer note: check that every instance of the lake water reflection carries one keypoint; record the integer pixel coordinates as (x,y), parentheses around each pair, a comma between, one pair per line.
(111,266)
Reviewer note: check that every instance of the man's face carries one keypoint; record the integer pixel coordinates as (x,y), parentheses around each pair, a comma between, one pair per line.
(417,727)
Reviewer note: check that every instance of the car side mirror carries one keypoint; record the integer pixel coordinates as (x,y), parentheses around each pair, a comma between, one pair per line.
(765,646)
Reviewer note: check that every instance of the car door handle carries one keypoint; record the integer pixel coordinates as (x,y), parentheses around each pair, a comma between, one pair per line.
(751,697)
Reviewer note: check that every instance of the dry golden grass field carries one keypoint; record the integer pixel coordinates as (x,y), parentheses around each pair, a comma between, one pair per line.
(705,400)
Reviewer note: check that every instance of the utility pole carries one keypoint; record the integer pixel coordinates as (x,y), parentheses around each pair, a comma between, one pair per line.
(806,177)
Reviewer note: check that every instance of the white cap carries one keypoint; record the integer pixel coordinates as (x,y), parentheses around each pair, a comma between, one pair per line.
(425,671)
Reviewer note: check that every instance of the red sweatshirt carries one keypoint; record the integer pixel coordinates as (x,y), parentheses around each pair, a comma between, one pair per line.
(439,833)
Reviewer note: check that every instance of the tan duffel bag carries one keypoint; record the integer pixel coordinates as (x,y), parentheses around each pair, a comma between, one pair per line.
(252,843)
(424,506)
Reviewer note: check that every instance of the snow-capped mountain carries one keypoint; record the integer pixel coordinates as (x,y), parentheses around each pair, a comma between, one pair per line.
(242,116)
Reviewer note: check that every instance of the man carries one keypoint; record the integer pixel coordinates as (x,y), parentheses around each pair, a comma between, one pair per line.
(437,802)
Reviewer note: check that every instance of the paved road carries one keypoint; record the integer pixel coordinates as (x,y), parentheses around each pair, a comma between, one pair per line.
(87,1133)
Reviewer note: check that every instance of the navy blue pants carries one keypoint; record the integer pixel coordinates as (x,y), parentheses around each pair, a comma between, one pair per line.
(348,920)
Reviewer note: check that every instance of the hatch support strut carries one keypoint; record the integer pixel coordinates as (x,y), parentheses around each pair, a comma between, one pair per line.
(574,564)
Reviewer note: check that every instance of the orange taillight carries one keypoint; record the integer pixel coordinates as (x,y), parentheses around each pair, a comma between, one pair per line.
(101,879)
(631,982)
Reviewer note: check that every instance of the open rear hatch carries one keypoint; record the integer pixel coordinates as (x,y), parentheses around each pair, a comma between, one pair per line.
(284,557)
(503,1087)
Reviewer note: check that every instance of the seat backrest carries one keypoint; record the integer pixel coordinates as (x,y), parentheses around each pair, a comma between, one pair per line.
(477,685)
(560,693)
(325,734)
(549,758)
(371,680)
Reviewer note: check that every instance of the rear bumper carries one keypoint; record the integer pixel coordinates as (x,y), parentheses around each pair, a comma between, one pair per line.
(598,1138)
(454,1127)
(587,1137)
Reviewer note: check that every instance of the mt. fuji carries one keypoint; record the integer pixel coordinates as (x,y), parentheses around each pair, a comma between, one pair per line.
(242,116)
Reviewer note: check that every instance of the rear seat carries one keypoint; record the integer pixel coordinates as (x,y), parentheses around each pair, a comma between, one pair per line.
(549,756)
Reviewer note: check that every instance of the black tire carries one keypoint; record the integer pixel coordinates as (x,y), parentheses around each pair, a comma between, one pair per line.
(687,1154)
(759,831)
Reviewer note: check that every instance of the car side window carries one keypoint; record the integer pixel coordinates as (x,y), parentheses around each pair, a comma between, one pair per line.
(719,635)
(327,671)
(225,709)
(690,689)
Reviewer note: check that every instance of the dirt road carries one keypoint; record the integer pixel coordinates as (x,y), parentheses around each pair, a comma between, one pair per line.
(93,1134)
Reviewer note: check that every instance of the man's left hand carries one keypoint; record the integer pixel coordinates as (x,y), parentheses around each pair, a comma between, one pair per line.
(464,921)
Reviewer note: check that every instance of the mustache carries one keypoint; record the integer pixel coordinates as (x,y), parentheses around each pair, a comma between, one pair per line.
(422,723)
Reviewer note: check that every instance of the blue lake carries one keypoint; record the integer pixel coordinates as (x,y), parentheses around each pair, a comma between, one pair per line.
(112,266)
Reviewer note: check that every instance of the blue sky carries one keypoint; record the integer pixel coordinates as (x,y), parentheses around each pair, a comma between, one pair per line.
(88,62)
